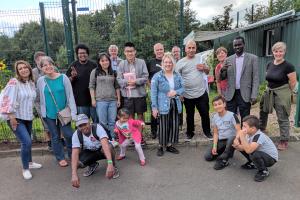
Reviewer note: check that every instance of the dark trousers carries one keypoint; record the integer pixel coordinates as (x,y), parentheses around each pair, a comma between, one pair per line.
(202,105)
(154,124)
(225,150)
(88,157)
(260,159)
(237,102)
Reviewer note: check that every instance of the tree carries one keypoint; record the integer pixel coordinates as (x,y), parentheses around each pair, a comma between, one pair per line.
(281,6)
(153,21)
(260,12)
(190,21)
(95,29)
(224,22)
(296,5)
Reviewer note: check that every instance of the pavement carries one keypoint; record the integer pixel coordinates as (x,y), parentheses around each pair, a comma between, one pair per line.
(184,176)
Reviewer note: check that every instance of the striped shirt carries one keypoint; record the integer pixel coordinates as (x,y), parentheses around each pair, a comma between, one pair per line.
(26,95)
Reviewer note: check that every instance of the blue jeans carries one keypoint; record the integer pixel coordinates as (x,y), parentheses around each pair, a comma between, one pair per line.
(88,111)
(55,128)
(107,113)
(23,134)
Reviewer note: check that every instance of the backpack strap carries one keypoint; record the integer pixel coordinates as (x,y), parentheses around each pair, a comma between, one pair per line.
(94,131)
(80,138)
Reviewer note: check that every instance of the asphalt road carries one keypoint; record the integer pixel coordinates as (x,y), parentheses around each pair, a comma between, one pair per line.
(184,176)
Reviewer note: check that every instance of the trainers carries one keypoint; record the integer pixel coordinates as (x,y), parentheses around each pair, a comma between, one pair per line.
(261,175)
(282,145)
(189,137)
(221,164)
(248,165)
(27,174)
(91,169)
(143,162)
(160,151)
(172,149)
(116,173)
(34,165)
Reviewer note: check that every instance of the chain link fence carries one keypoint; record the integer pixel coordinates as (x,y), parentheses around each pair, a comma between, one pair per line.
(95,23)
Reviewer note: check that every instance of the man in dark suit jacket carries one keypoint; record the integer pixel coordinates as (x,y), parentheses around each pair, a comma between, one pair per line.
(243,79)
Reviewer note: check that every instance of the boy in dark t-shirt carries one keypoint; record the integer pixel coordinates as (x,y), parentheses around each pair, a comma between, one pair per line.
(225,124)
(257,147)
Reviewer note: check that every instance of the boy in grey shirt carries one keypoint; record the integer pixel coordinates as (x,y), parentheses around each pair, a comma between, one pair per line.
(225,124)
(257,147)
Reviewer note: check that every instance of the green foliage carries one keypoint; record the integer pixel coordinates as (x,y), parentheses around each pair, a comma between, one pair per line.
(5,75)
(260,12)
(224,22)
(61,57)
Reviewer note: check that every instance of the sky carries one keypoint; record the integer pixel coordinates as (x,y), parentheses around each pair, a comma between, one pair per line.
(205,10)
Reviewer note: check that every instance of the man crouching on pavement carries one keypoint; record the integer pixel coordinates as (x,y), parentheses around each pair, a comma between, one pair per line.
(90,144)
(257,147)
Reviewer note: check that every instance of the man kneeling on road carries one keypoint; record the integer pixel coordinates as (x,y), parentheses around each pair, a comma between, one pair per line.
(90,144)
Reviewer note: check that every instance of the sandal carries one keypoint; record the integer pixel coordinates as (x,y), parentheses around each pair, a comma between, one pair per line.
(63,163)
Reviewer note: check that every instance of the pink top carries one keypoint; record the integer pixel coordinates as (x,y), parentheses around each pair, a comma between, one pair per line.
(132,130)
(222,83)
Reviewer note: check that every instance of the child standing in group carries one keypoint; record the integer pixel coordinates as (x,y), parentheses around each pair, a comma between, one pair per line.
(129,130)
(225,124)
(257,147)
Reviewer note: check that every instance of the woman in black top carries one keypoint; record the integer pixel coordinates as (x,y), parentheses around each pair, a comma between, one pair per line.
(282,81)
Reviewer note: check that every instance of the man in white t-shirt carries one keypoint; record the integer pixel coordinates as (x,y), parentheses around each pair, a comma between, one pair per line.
(90,144)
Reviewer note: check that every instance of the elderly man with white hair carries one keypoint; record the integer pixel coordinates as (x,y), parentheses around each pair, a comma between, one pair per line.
(115,60)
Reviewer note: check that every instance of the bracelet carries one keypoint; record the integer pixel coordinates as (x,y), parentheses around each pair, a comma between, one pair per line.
(109,162)
(214,145)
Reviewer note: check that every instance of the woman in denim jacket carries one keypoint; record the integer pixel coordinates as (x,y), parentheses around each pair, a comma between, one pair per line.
(166,88)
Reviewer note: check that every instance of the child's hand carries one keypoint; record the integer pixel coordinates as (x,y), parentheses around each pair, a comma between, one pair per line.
(214,151)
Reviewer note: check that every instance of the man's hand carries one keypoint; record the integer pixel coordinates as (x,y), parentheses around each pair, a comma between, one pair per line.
(214,151)
(253,101)
(73,72)
(110,170)
(154,113)
(201,67)
(172,93)
(75,181)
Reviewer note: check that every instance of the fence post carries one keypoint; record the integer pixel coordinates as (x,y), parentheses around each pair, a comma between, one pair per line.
(297,117)
(181,22)
(43,27)
(237,19)
(128,27)
(73,2)
(68,30)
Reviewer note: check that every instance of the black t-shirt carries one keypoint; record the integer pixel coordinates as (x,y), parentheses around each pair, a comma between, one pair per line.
(152,67)
(277,74)
(80,84)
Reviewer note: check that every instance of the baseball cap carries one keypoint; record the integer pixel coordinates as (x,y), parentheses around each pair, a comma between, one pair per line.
(81,119)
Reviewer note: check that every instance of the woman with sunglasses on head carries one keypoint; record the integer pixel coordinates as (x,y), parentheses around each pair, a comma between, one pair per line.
(16,103)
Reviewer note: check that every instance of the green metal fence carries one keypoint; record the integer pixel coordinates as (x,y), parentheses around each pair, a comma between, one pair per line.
(57,26)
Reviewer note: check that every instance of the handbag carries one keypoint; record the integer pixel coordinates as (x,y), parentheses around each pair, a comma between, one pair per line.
(64,116)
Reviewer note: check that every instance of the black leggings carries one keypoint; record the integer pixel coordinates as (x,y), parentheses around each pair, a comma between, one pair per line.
(260,159)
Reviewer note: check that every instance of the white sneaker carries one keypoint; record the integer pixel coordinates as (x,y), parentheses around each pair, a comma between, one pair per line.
(27,174)
(34,165)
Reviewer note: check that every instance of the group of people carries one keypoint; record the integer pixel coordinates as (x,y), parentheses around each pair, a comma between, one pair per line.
(112,91)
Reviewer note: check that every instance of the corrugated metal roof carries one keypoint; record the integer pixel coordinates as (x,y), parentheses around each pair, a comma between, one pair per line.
(201,36)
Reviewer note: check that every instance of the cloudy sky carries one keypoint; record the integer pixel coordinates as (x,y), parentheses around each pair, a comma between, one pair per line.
(205,9)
